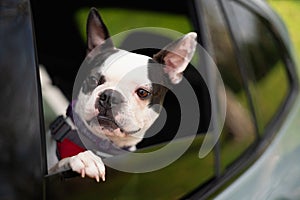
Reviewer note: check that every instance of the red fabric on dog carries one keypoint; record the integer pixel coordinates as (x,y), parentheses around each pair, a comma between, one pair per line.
(67,148)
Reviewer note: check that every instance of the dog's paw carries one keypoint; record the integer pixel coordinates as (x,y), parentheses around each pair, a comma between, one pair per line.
(88,164)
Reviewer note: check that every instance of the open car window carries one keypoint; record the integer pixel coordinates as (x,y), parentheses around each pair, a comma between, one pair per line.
(189,160)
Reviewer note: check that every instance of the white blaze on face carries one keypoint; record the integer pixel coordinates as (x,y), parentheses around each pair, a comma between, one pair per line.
(126,72)
(126,67)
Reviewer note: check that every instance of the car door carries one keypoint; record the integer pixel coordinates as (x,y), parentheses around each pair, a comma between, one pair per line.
(22,169)
(190,174)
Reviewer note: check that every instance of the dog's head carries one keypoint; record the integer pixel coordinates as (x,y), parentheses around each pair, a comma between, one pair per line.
(122,95)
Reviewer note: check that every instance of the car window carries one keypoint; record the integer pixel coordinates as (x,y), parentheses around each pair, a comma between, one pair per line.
(193,170)
(132,40)
(253,71)
(239,128)
(266,70)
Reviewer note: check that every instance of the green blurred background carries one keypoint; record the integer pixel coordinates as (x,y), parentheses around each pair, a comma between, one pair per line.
(289,11)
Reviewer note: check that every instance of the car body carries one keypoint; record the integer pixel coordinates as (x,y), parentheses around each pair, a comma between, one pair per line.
(256,156)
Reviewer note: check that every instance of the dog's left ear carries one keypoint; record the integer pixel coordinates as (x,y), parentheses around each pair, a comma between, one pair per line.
(176,56)
(97,33)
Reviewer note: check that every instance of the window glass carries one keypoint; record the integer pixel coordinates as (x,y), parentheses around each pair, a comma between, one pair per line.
(266,71)
(239,129)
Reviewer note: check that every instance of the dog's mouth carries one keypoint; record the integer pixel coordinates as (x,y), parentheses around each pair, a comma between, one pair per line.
(107,122)
(112,125)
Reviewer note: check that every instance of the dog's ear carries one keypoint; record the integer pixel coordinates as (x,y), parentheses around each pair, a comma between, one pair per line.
(176,56)
(97,33)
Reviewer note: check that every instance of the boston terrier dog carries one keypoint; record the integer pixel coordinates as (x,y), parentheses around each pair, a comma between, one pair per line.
(118,100)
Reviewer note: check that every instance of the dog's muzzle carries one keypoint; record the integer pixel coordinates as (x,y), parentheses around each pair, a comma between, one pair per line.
(108,105)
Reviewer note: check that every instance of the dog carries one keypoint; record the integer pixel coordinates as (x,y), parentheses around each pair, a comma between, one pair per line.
(120,98)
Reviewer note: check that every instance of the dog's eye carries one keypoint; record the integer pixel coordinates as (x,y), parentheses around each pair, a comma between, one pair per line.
(142,93)
(92,81)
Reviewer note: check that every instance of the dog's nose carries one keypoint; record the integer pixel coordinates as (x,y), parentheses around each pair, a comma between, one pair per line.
(109,98)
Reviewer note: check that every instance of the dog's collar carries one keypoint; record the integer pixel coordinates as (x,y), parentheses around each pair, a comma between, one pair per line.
(101,146)
(62,127)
